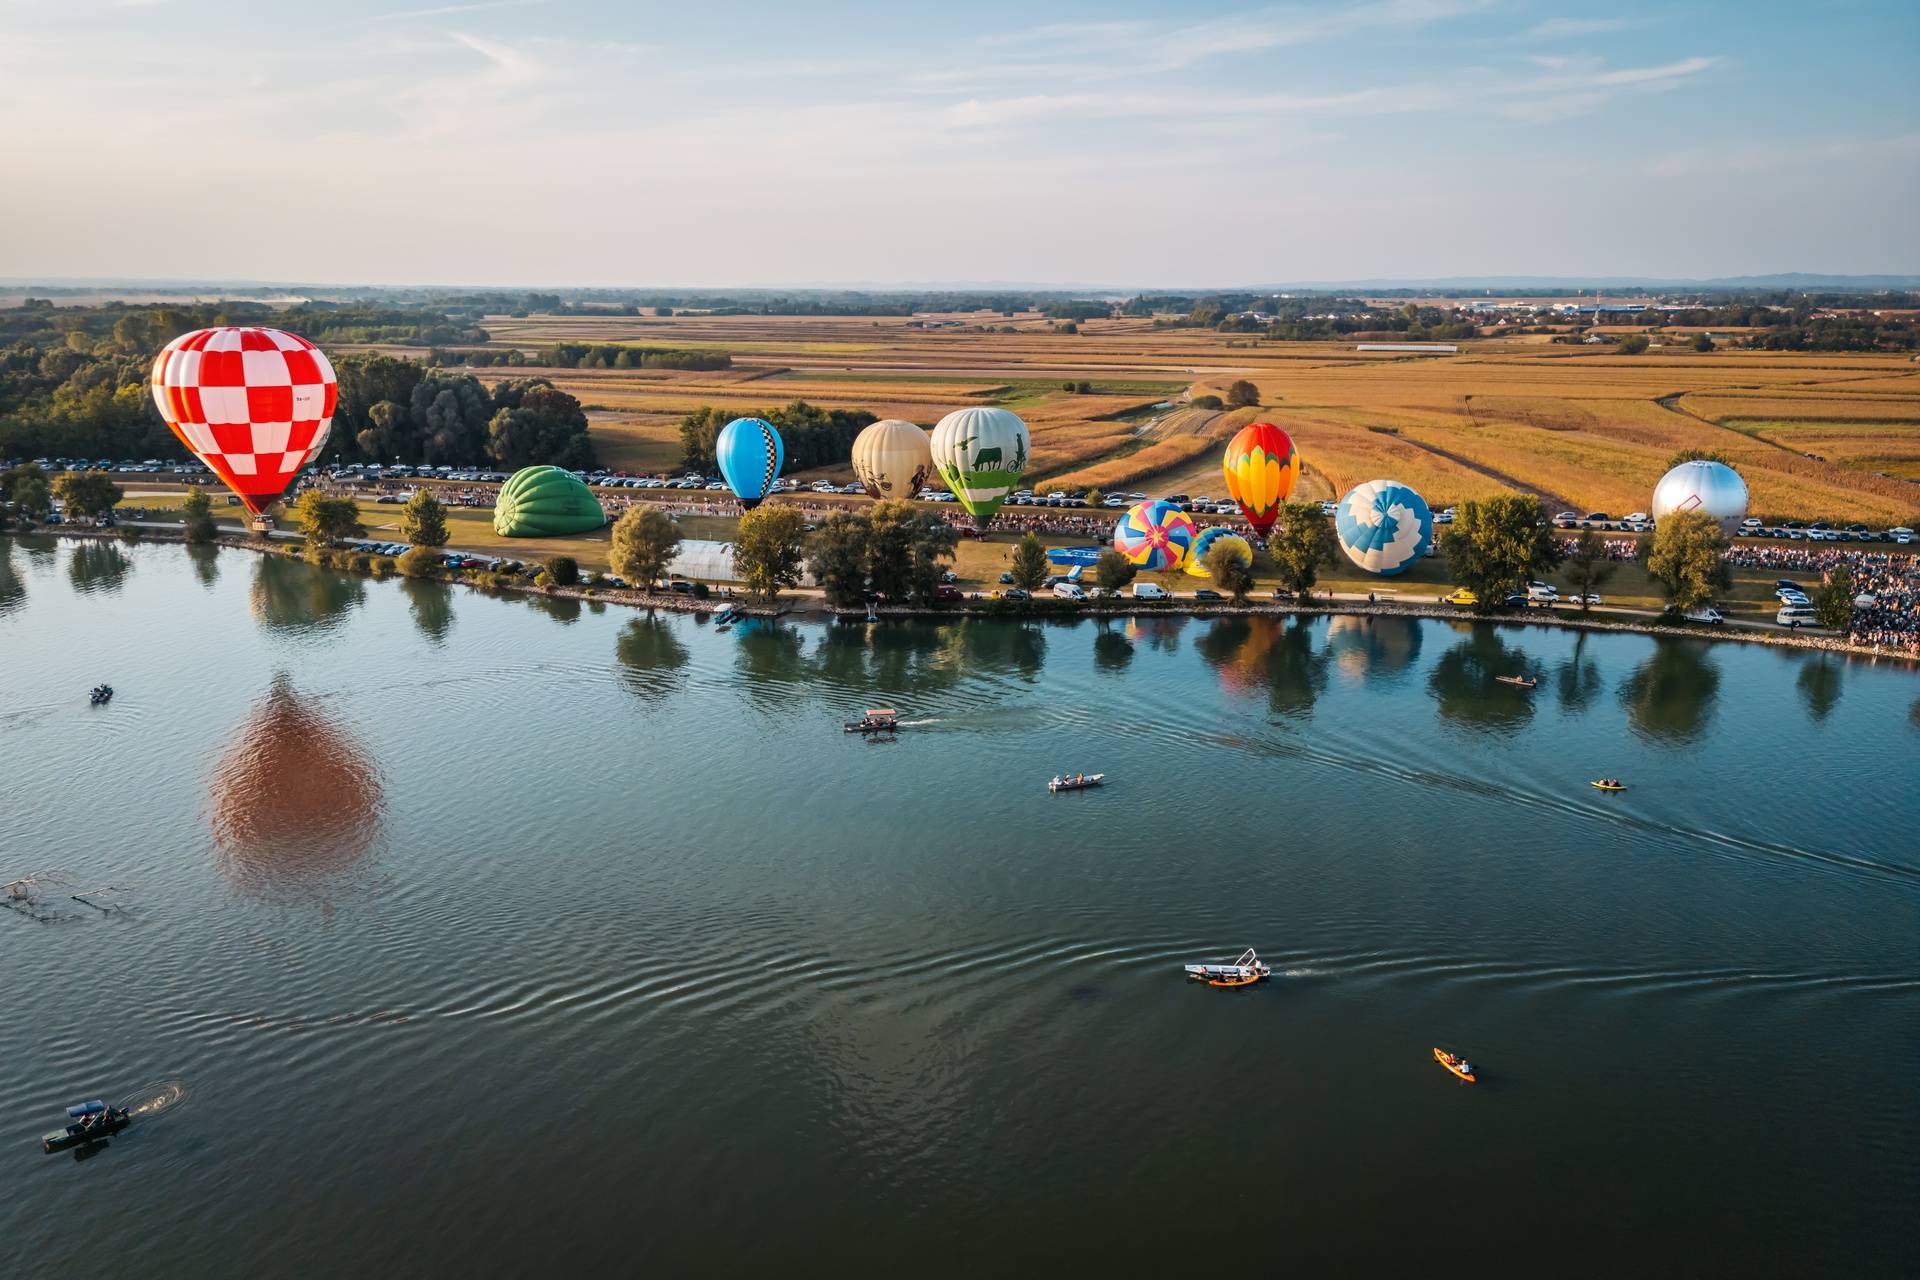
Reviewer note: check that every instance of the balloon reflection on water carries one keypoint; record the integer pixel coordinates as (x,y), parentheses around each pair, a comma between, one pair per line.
(296,797)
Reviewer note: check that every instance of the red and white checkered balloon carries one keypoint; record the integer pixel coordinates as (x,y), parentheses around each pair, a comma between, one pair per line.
(253,404)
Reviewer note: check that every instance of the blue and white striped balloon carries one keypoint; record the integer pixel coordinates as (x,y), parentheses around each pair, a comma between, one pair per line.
(1383,526)
(749,452)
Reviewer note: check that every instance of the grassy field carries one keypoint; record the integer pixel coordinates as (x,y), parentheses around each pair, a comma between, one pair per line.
(1817,436)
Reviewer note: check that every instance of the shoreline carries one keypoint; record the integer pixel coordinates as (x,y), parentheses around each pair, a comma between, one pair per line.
(813,606)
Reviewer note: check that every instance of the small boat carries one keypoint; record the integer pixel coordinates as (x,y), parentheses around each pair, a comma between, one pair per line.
(1244,972)
(1458,1065)
(1076,782)
(100,693)
(1607,784)
(876,720)
(1520,682)
(91,1121)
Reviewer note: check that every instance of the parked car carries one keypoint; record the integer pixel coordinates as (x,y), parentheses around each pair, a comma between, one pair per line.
(684,588)
(1592,597)
(1015,594)
(1541,593)
(1150,591)
(1205,594)
(946,593)
(1706,614)
(1460,596)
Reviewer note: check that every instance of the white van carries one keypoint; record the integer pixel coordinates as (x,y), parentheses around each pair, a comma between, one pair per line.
(1150,591)
(1069,591)
(1705,614)
(1796,616)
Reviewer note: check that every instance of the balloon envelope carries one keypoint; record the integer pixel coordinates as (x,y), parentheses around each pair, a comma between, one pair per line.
(1155,535)
(1261,466)
(980,453)
(545,502)
(750,452)
(1702,485)
(1209,538)
(893,459)
(253,404)
(1383,526)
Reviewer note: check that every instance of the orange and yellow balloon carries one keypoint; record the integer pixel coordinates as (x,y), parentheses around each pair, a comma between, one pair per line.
(1262,467)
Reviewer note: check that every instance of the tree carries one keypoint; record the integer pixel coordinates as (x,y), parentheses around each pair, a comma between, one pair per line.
(424,522)
(87,494)
(1687,558)
(1208,402)
(1588,567)
(1702,342)
(418,562)
(1093,498)
(1242,393)
(1229,572)
(934,542)
(197,516)
(1029,563)
(837,554)
(1833,599)
(323,518)
(1301,542)
(1113,571)
(1697,455)
(890,549)
(1498,544)
(769,548)
(562,571)
(535,422)
(644,542)
(30,494)
(1631,345)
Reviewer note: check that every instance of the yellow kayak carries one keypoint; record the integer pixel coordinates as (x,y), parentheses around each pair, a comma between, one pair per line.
(1459,1066)
(1608,786)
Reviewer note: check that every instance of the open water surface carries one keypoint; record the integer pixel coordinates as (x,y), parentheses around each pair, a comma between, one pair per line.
(468,935)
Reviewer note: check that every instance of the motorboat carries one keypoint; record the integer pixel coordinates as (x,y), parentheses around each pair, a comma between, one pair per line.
(1454,1063)
(89,1122)
(875,720)
(1244,972)
(100,693)
(1519,682)
(1076,781)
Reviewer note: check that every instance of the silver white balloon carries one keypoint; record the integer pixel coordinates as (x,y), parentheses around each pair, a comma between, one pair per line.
(1712,487)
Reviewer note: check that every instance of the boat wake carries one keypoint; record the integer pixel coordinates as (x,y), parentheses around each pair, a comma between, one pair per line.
(151,1100)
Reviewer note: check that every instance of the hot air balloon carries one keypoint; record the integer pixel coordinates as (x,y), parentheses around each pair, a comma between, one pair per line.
(253,404)
(980,453)
(1154,535)
(1383,526)
(1702,485)
(750,454)
(892,459)
(545,502)
(1262,467)
(1212,537)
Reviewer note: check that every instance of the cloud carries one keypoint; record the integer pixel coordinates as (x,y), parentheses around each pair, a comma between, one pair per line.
(447,10)
(1571,28)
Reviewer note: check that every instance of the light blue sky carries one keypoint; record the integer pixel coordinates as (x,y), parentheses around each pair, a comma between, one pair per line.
(589,142)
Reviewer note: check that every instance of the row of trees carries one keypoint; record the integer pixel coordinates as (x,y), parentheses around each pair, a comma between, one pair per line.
(813,437)
(392,409)
(892,549)
(615,355)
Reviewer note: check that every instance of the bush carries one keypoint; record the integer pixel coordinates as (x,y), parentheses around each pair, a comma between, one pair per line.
(418,562)
(384,565)
(361,562)
(562,571)
(1633,344)
(129,533)
(1208,402)
(1242,394)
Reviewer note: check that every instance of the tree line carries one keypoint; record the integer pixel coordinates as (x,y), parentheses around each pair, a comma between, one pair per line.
(812,436)
(392,409)
(615,355)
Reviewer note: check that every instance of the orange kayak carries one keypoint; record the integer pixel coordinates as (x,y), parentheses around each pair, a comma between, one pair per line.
(1459,1066)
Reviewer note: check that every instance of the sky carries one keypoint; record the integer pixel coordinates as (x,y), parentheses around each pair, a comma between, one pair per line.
(591,142)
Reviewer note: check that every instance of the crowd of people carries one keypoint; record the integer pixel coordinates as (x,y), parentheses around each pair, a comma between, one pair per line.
(1622,549)
(1892,579)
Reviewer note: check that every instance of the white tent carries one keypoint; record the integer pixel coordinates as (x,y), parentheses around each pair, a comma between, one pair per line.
(703,561)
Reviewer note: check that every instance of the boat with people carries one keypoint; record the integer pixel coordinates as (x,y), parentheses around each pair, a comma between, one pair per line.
(1244,972)
(1607,784)
(875,720)
(1454,1063)
(1518,682)
(99,694)
(1076,781)
(89,1122)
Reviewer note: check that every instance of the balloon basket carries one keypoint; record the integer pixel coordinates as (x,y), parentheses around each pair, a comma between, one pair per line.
(261,525)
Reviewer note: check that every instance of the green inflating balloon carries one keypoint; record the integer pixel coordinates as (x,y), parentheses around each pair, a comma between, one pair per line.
(545,502)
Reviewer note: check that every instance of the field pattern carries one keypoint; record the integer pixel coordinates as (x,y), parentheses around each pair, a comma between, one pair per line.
(1817,435)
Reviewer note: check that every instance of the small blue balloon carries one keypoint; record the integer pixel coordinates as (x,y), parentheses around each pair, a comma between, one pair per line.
(750,452)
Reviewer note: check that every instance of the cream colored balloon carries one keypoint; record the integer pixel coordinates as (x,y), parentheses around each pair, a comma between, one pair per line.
(892,459)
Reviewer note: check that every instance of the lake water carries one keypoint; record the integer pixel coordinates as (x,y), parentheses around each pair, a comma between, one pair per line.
(479,936)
